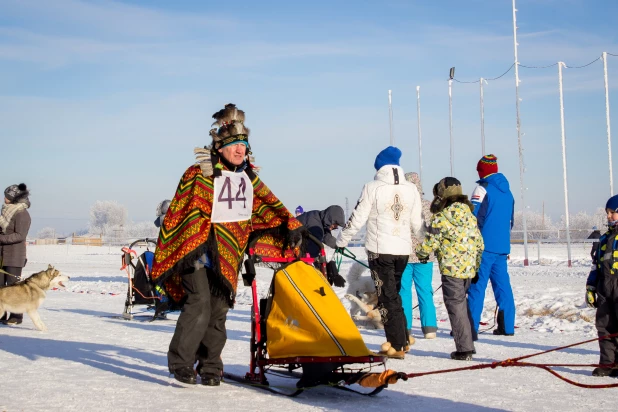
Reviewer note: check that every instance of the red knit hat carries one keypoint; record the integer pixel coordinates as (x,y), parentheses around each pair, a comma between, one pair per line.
(487,165)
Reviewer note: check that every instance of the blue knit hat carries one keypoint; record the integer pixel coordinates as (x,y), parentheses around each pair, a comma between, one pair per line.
(299,210)
(612,203)
(388,156)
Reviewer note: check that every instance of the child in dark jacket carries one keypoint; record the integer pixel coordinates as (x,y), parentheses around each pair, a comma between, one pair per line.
(602,292)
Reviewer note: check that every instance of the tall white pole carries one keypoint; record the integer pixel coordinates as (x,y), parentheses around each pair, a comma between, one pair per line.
(390,117)
(564,164)
(521,150)
(420,146)
(482,120)
(609,130)
(450,121)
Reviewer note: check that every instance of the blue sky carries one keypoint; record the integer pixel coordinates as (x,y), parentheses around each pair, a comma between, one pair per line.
(103,100)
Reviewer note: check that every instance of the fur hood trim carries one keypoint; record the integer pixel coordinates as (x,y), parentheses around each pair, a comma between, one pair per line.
(439,204)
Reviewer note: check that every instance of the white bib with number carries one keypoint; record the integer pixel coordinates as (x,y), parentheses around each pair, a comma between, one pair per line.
(233,198)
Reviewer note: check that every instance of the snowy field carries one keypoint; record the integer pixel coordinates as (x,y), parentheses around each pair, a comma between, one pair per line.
(89,360)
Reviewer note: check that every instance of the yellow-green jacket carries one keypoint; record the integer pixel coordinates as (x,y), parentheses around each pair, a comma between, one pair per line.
(456,240)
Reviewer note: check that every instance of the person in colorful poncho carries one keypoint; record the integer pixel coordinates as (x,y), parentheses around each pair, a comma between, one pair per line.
(219,203)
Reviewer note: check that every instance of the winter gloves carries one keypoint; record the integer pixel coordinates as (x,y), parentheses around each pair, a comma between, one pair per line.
(591,296)
(422,258)
(333,276)
(476,277)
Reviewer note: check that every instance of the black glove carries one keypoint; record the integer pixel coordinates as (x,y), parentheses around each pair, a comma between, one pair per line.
(475,278)
(339,250)
(333,276)
(591,296)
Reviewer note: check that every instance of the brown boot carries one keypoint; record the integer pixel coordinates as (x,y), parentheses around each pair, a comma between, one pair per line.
(388,350)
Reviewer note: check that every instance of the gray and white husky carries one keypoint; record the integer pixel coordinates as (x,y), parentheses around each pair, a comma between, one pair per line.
(27,295)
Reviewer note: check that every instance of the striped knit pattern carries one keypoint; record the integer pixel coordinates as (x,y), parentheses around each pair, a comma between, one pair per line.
(187,224)
(487,165)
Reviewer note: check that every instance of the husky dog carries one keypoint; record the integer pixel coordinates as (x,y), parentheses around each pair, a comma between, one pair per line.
(26,296)
(362,293)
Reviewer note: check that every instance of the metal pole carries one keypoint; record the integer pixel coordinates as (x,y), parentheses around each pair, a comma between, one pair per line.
(450,120)
(482,119)
(609,130)
(420,146)
(564,165)
(521,150)
(390,117)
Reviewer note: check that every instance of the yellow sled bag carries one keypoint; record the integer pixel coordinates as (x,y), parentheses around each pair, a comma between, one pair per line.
(306,318)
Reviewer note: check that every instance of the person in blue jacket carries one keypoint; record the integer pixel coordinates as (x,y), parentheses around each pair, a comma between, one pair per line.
(493,207)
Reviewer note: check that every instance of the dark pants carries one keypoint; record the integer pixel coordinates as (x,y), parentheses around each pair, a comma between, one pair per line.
(386,271)
(200,331)
(607,317)
(454,292)
(8,280)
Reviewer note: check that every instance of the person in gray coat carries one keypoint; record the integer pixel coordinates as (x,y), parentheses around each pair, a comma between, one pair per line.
(14,226)
(320,223)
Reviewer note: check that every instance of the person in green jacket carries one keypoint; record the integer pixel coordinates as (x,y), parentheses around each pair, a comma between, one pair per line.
(454,237)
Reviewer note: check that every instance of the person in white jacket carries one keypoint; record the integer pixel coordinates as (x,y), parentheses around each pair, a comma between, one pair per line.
(391,207)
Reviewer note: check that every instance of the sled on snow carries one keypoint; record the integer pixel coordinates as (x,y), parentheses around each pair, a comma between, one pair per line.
(302,330)
(141,289)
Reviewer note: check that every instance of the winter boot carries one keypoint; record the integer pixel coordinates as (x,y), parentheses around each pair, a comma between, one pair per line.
(185,374)
(500,329)
(604,372)
(466,356)
(13,321)
(430,335)
(391,352)
(210,379)
(411,339)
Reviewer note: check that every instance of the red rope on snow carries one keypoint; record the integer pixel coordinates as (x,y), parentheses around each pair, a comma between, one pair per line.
(546,367)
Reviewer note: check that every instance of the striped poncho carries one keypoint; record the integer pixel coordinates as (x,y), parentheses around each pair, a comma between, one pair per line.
(187,232)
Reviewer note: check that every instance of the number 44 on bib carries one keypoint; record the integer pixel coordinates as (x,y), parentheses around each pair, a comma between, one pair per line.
(233,198)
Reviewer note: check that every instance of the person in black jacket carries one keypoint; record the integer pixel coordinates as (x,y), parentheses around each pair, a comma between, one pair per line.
(320,223)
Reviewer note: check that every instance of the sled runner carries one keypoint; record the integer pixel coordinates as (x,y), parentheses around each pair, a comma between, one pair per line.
(301,330)
(141,290)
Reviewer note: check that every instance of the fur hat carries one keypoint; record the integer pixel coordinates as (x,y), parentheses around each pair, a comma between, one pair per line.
(487,165)
(446,192)
(15,193)
(230,121)
(388,156)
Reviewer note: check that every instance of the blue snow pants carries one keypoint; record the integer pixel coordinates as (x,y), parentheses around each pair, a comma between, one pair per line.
(494,269)
(420,274)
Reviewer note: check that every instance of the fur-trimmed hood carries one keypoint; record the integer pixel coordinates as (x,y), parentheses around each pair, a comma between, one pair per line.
(439,204)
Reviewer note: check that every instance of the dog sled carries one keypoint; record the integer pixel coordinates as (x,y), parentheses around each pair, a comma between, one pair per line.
(141,290)
(302,331)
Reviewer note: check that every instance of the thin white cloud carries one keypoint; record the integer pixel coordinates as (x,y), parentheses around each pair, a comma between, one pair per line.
(112,18)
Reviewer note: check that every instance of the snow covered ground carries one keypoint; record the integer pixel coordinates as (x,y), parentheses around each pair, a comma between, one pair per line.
(90,360)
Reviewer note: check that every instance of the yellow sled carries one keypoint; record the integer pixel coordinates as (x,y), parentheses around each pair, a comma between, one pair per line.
(303,325)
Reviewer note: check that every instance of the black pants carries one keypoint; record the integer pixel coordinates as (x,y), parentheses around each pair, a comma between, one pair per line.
(386,271)
(8,280)
(607,317)
(200,331)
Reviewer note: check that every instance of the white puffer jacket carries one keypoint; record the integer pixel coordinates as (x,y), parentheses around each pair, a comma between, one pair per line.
(391,206)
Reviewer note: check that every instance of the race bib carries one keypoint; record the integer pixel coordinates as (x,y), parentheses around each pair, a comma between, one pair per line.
(233,200)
